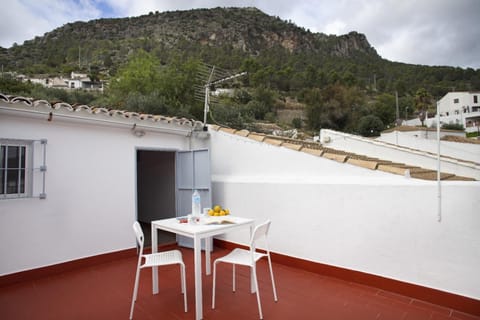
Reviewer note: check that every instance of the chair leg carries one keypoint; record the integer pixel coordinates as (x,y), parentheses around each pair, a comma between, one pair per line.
(214,280)
(254,273)
(233,278)
(135,291)
(184,285)
(273,281)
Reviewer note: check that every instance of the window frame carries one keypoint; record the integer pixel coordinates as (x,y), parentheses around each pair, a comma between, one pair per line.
(24,183)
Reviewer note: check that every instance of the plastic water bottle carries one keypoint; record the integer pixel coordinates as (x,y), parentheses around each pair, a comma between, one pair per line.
(196,204)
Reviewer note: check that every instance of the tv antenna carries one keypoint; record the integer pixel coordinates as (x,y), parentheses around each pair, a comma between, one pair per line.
(214,76)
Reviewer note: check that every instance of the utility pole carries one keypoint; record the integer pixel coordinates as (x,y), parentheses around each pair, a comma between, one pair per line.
(396,104)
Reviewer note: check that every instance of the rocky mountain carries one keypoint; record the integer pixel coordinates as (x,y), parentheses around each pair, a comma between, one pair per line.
(277,54)
(105,42)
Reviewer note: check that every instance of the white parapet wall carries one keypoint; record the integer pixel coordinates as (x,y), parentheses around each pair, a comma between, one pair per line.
(427,141)
(360,219)
(401,151)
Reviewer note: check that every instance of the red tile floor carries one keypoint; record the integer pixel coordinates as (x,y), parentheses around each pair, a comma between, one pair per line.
(104,292)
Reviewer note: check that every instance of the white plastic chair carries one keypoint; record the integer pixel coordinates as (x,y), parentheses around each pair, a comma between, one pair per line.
(155,260)
(248,258)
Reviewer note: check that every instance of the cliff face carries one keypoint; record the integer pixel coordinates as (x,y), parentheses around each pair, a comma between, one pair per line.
(353,42)
(246,29)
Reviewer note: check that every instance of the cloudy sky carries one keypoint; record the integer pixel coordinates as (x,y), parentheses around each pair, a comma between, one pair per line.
(429,32)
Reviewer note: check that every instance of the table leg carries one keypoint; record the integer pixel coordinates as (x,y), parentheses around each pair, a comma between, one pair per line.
(197,248)
(154,269)
(208,248)
(252,281)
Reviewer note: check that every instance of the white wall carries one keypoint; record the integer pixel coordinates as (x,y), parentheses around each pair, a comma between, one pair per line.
(428,160)
(90,186)
(351,217)
(416,140)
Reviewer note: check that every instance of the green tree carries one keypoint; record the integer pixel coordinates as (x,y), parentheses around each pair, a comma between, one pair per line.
(333,107)
(140,74)
(143,79)
(262,103)
(370,126)
(385,108)
(423,101)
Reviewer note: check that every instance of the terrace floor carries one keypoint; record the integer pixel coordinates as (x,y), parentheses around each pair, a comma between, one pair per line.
(104,291)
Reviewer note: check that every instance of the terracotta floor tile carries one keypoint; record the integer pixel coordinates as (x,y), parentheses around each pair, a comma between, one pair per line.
(104,291)
(433,307)
(457,315)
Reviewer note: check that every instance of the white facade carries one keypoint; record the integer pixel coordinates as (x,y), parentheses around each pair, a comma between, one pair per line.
(459,108)
(90,181)
(76,81)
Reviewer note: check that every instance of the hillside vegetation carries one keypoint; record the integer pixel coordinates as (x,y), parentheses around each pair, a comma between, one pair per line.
(152,64)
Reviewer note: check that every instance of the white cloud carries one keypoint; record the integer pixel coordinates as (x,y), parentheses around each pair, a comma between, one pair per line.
(24,19)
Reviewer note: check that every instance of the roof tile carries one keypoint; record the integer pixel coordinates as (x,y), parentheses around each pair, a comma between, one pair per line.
(335,156)
(274,142)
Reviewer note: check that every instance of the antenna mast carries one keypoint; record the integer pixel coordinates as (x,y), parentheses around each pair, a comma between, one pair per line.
(207,91)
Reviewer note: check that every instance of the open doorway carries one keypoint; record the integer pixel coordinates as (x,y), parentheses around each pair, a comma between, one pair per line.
(155,191)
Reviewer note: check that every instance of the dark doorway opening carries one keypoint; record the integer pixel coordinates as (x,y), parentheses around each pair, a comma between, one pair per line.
(155,191)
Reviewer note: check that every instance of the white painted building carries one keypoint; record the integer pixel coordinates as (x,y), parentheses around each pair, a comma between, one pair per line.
(74,179)
(457,108)
(76,81)
(322,211)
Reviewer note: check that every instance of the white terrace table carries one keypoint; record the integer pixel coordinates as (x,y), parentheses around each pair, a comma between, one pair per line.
(197,232)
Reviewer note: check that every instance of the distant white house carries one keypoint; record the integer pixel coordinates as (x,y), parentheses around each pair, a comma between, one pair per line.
(76,81)
(223,92)
(457,108)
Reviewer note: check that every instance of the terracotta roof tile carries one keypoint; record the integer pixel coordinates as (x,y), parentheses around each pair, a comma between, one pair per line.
(257,136)
(228,130)
(393,169)
(335,156)
(274,142)
(243,133)
(292,146)
(315,152)
(369,164)
(91,111)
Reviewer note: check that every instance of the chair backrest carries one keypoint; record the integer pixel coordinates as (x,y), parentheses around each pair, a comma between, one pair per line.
(139,235)
(260,231)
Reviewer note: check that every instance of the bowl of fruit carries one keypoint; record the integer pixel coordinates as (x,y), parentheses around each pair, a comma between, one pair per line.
(217,210)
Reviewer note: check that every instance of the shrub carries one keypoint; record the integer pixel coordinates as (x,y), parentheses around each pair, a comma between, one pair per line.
(453,126)
(370,126)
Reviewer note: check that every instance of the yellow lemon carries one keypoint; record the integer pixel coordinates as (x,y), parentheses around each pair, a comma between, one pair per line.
(211,212)
(227,212)
(217,208)
(222,212)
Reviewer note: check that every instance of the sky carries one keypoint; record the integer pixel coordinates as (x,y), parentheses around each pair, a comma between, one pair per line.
(427,32)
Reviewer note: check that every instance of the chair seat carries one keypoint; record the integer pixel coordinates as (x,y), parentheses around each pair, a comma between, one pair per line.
(162,258)
(241,257)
